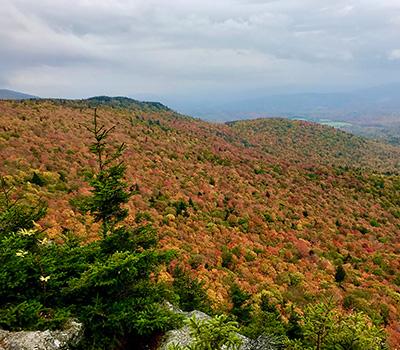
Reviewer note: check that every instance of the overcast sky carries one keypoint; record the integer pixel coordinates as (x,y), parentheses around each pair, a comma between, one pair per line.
(177,48)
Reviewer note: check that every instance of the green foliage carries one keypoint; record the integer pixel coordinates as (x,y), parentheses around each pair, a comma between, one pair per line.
(244,224)
(241,308)
(356,332)
(17,213)
(265,321)
(324,327)
(181,208)
(212,334)
(340,274)
(362,230)
(143,216)
(212,181)
(118,102)
(259,171)
(196,260)
(109,191)
(293,327)
(107,284)
(227,258)
(31,315)
(37,179)
(319,324)
(268,217)
(190,291)
(24,295)
(396,280)
(374,223)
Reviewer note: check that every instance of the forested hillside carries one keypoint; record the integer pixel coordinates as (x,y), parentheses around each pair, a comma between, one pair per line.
(292,210)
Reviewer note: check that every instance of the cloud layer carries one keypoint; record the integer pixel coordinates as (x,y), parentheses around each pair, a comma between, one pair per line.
(76,48)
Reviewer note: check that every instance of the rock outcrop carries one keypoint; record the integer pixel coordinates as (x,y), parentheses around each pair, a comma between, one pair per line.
(42,340)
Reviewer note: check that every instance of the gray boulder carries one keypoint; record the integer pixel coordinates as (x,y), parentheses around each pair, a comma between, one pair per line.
(42,340)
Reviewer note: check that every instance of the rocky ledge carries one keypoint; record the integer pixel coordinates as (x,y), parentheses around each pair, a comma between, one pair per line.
(42,340)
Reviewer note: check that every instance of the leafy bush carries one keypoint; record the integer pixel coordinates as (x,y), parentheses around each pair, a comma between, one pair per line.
(216,333)
(16,213)
(325,327)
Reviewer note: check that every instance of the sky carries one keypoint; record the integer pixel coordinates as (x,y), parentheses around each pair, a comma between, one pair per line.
(176,49)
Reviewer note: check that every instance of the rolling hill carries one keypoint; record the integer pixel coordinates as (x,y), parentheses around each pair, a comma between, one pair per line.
(371,112)
(14,95)
(305,142)
(270,204)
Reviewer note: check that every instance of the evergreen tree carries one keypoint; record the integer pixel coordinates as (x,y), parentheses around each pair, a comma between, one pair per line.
(109,190)
(190,291)
(37,179)
(265,321)
(109,285)
(340,274)
(116,296)
(241,309)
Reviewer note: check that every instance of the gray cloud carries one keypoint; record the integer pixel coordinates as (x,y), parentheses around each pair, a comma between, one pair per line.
(196,47)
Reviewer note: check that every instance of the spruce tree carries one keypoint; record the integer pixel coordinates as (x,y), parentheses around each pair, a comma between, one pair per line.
(340,274)
(109,190)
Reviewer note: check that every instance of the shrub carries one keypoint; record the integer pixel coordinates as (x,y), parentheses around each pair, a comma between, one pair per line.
(216,333)
(227,258)
(17,213)
(325,327)
(374,223)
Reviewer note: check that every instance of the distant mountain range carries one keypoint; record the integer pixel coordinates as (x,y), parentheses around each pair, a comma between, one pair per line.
(360,105)
(6,94)
(356,106)
(372,112)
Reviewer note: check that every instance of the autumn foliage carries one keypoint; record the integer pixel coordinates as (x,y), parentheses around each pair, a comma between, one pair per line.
(272,206)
